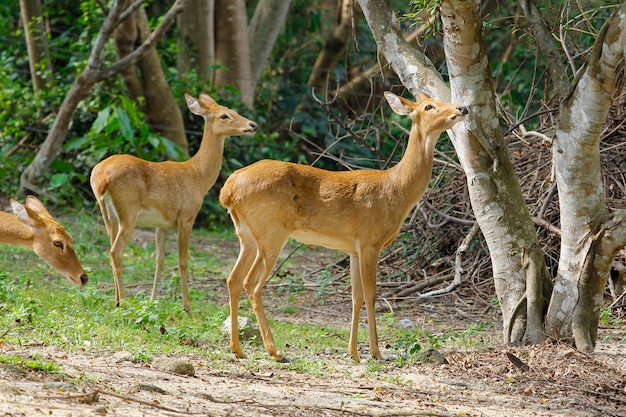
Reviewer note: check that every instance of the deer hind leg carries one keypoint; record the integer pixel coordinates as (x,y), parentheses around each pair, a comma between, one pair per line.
(159,240)
(357,303)
(368,265)
(267,254)
(124,233)
(111,223)
(247,253)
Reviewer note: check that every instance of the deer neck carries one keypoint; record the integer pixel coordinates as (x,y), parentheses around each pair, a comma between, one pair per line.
(412,174)
(207,162)
(14,232)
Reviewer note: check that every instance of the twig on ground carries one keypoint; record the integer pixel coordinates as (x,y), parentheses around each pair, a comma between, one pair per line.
(458,270)
(92,397)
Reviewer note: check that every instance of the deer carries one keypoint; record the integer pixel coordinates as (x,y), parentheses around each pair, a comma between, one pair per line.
(358,212)
(33,227)
(164,195)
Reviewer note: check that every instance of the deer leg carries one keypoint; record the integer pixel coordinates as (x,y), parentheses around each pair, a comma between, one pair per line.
(357,303)
(184,235)
(254,282)
(117,250)
(159,240)
(368,266)
(111,222)
(247,252)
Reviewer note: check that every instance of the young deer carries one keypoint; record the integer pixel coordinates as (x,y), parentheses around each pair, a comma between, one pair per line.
(358,212)
(164,195)
(33,227)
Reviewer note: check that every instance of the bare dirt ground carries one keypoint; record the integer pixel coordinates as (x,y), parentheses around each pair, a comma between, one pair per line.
(546,380)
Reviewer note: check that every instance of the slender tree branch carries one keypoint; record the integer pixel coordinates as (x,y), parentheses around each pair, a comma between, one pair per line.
(543,37)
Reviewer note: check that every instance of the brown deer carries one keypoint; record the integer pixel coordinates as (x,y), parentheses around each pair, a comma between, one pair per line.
(358,212)
(164,195)
(33,227)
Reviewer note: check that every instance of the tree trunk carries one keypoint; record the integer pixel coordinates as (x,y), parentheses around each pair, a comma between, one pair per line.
(519,270)
(36,43)
(232,51)
(94,71)
(334,45)
(162,113)
(590,235)
(265,26)
(196,41)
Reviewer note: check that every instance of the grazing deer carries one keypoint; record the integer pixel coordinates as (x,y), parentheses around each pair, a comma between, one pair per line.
(358,212)
(164,195)
(33,227)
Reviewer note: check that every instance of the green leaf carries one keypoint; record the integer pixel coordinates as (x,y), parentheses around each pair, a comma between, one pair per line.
(58,180)
(62,166)
(171,149)
(101,121)
(125,125)
(77,144)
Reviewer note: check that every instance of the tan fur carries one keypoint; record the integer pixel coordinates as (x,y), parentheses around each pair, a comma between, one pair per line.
(32,226)
(164,195)
(358,212)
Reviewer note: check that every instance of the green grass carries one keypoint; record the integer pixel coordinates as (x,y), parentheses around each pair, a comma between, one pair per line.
(31,364)
(38,305)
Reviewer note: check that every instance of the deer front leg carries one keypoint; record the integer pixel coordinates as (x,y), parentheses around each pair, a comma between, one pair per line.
(184,235)
(357,303)
(368,265)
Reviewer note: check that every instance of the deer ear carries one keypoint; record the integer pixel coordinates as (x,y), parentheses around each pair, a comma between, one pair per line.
(34,204)
(21,213)
(193,105)
(396,103)
(207,100)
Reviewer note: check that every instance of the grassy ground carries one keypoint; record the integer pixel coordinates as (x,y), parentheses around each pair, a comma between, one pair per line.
(52,332)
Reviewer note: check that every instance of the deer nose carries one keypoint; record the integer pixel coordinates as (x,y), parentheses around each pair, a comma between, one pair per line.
(83,279)
(464,110)
(254,126)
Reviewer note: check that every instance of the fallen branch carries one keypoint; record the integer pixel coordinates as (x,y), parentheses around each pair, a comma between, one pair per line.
(458,264)
(92,397)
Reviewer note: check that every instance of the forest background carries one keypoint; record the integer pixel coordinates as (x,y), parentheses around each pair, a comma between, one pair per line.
(314,83)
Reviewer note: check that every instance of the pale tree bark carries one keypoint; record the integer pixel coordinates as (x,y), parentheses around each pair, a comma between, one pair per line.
(232,50)
(196,40)
(520,274)
(591,235)
(265,26)
(519,271)
(39,60)
(146,80)
(94,72)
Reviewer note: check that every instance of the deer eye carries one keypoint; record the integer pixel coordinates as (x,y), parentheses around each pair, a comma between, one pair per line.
(429,107)
(58,243)
(225,116)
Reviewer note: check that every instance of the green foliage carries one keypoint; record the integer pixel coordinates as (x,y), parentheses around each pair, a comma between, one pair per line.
(420,11)
(31,364)
(475,336)
(120,128)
